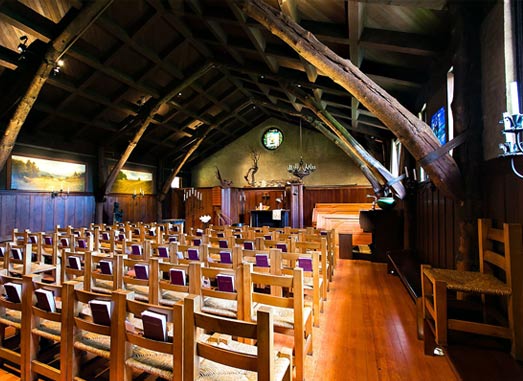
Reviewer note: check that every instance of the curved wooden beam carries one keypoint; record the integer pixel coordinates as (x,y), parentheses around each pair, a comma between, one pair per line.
(56,49)
(415,135)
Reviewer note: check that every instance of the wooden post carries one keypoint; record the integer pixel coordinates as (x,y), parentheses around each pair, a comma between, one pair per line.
(56,49)
(167,185)
(414,134)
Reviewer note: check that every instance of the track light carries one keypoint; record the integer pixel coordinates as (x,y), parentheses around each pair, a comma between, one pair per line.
(22,46)
(57,67)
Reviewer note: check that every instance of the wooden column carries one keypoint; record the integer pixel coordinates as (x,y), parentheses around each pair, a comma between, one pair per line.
(167,185)
(414,134)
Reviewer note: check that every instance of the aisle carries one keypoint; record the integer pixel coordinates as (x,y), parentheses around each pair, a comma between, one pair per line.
(368,331)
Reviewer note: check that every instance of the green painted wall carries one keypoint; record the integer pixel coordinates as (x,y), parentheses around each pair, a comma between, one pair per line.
(334,167)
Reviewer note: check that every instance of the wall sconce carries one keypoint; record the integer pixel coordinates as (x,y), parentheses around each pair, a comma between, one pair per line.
(61,193)
(139,195)
(513,146)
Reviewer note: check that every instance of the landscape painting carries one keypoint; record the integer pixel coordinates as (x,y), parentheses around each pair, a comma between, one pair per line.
(133,182)
(30,173)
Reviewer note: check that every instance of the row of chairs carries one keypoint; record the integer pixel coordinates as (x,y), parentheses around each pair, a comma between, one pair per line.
(127,340)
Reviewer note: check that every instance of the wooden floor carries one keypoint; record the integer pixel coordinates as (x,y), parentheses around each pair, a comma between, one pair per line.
(367,331)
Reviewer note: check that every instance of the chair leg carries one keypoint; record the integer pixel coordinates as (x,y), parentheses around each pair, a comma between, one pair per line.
(440,312)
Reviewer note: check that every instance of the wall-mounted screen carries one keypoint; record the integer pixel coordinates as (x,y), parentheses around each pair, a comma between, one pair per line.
(133,182)
(30,173)
(439,125)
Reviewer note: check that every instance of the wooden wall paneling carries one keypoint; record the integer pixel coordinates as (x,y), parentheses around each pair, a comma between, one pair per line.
(23,212)
(37,209)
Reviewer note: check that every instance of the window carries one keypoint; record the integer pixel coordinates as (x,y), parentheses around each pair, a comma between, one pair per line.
(272,138)
(176,183)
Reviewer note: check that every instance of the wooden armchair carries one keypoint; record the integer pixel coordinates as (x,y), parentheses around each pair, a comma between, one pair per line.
(141,351)
(46,331)
(291,316)
(216,356)
(494,280)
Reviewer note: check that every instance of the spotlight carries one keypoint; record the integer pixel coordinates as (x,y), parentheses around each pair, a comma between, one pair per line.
(22,46)
(57,67)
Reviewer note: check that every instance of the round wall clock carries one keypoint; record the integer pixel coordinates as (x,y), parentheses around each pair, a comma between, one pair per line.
(272,138)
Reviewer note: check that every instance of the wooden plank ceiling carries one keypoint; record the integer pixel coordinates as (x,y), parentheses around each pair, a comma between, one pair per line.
(227,70)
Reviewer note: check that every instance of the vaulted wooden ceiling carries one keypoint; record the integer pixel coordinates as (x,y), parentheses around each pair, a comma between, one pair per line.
(227,72)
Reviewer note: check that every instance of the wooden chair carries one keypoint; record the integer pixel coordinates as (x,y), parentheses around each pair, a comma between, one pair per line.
(43,324)
(68,268)
(171,292)
(19,261)
(291,316)
(10,322)
(141,353)
(493,280)
(216,356)
(145,289)
(89,337)
(284,263)
(325,267)
(217,301)
(96,279)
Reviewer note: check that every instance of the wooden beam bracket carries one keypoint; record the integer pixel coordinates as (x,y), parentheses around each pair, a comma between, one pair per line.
(439,152)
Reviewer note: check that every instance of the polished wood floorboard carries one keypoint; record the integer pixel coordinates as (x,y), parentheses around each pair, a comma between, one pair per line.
(367,331)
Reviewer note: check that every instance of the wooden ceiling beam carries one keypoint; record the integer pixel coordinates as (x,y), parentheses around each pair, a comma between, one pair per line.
(413,133)
(29,21)
(255,35)
(8,58)
(400,42)
(56,49)
(144,51)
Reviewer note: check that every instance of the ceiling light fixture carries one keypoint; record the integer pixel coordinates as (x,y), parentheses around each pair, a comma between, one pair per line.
(22,46)
(301,169)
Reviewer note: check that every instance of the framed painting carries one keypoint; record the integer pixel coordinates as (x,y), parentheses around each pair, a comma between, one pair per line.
(36,174)
(133,182)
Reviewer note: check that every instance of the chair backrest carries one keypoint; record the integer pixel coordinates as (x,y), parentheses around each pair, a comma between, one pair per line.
(177,279)
(496,246)
(73,264)
(45,317)
(263,362)
(97,276)
(136,332)
(87,332)
(142,278)
(253,293)
(225,285)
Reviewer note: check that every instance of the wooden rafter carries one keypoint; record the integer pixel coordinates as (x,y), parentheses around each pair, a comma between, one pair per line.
(145,117)
(414,134)
(57,48)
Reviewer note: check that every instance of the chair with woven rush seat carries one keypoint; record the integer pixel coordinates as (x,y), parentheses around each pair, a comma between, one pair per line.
(94,332)
(493,280)
(10,319)
(46,334)
(153,349)
(215,355)
(286,300)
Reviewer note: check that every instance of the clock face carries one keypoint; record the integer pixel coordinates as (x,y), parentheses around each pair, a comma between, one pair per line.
(272,138)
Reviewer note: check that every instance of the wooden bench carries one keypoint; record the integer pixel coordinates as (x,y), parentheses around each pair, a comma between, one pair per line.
(407,265)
